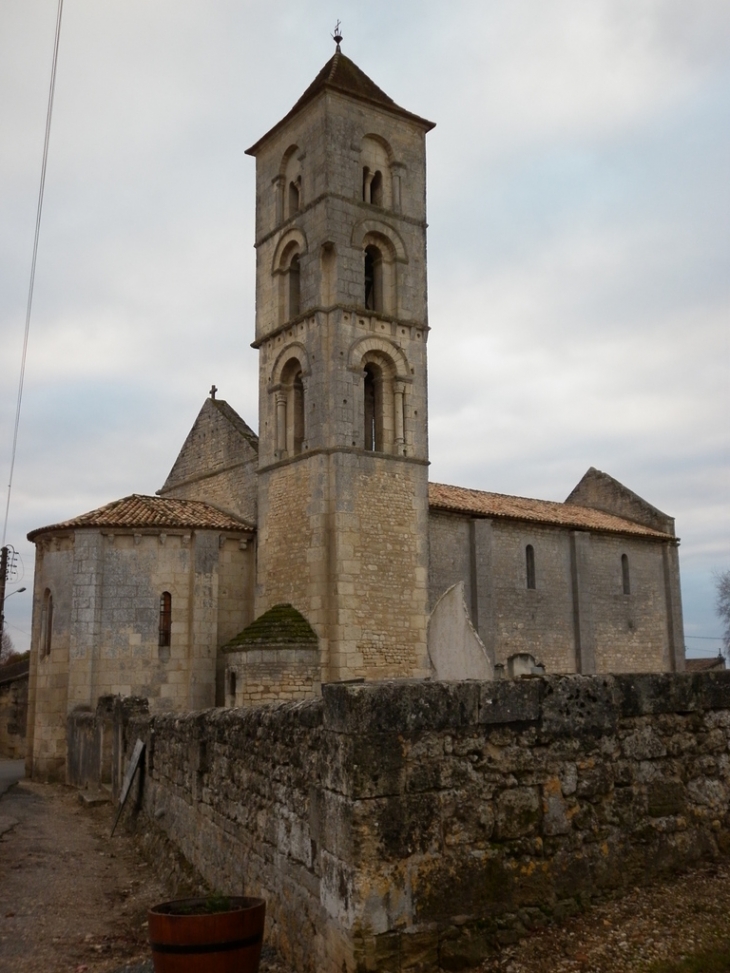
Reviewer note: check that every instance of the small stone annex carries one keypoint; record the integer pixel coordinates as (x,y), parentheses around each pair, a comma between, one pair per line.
(322,532)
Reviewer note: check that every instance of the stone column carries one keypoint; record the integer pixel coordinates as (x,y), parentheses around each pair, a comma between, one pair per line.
(399,392)
(673,602)
(305,421)
(281,424)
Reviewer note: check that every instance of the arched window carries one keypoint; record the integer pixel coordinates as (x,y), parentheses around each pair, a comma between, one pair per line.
(46,624)
(289,185)
(165,628)
(625,577)
(376,160)
(530,566)
(373,407)
(373,278)
(290,410)
(376,189)
(294,197)
(294,275)
(372,186)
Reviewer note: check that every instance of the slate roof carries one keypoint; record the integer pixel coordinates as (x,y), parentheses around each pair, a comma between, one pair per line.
(342,74)
(150,512)
(478,503)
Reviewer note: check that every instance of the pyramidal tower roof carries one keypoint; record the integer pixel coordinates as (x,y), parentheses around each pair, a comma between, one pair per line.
(343,75)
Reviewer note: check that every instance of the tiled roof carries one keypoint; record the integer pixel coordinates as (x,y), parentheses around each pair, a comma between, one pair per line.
(342,74)
(146,512)
(704,665)
(481,504)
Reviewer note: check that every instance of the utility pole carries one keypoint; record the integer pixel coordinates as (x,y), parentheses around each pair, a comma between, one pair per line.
(3,579)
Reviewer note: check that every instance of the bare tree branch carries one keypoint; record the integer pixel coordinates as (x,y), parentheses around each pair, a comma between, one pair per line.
(722,607)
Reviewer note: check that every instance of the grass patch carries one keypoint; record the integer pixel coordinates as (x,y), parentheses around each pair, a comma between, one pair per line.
(716,960)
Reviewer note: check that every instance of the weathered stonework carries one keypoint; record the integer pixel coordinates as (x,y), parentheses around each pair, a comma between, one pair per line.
(217,463)
(106,589)
(331,511)
(275,658)
(414,826)
(343,506)
(577,618)
(13,709)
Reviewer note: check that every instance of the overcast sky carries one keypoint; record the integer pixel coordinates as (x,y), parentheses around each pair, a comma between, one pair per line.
(579,211)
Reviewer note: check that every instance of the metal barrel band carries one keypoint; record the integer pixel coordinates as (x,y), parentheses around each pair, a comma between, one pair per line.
(207,947)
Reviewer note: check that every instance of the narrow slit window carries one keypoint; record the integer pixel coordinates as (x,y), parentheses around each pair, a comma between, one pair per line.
(232,685)
(625,576)
(530,566)
(165,619)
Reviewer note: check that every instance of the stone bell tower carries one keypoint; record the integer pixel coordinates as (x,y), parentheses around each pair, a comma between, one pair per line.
(341,329)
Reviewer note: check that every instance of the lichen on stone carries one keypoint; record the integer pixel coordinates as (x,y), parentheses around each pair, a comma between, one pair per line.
(280,625)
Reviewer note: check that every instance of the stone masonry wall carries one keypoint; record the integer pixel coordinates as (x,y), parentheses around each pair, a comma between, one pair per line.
(414,826)
(217,463)
(267,674)
(577,618)
(13,709)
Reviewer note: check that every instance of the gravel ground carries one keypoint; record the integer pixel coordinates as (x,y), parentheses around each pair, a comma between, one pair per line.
(74,901)
(668,920)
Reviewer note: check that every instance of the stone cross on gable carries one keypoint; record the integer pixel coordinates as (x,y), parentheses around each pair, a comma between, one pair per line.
(213,390)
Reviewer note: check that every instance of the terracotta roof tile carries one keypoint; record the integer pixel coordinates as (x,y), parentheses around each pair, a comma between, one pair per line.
(704,665)
(479,503)
(145,512)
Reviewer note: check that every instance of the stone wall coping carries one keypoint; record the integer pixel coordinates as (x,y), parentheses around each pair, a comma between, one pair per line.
(559,706)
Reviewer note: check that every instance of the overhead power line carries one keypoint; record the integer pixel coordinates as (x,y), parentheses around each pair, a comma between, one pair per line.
(49,115)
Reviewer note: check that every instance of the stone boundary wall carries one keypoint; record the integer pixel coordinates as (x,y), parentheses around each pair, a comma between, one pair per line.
(14,709)
(414,826)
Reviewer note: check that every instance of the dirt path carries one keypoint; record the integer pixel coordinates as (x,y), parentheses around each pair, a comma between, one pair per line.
(72,901)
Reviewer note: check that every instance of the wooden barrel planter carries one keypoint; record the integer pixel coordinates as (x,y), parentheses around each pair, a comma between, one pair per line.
(217,935)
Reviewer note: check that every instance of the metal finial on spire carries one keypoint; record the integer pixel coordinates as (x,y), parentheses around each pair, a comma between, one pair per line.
(337,36)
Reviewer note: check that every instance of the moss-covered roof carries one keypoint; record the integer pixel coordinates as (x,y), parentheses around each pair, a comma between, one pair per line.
(280,625)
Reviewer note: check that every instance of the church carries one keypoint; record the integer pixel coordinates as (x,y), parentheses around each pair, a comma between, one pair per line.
(316,550)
